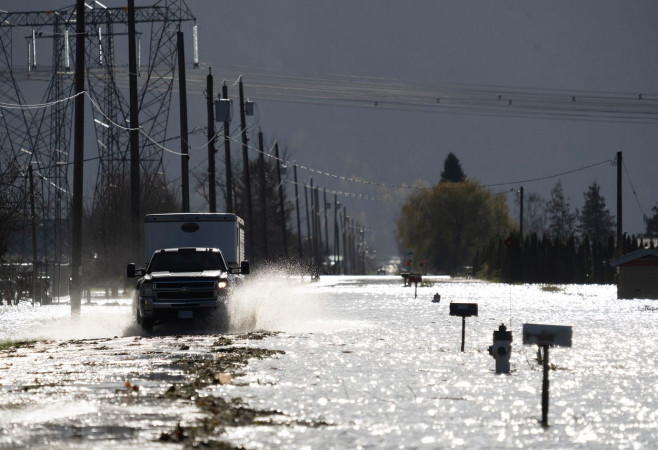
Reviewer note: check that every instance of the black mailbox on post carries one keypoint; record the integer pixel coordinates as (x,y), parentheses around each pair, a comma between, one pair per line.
(463,309)
(546,336)
(415,278)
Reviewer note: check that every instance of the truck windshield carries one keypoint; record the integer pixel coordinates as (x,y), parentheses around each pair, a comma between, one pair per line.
(186,262)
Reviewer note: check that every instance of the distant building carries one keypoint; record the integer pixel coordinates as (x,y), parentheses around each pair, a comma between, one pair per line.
(637,274)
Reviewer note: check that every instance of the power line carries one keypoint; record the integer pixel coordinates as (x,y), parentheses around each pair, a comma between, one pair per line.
(547,177)
(301,166)
(413,95)
(628,177)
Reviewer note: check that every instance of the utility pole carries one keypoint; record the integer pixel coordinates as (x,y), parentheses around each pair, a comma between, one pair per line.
(247,178)
(326,225)
(336,245)
(619,250)
(185,176)
(317,232)
(34,236)
(521,217)
(263,191)
(227,158)
(212,200)
(281,199)
(520,247)
(78,161)
(299,221)
(345,219)
(135,190)
(309,236)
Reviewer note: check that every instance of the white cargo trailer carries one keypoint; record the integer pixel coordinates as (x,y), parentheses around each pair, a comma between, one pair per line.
(211,230)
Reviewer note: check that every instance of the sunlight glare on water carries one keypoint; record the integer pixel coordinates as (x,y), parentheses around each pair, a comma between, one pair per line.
(97,319)
(389,371)
(367,363)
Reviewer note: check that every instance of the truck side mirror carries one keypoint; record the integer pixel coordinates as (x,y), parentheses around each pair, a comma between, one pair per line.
(130,270)
(244,267)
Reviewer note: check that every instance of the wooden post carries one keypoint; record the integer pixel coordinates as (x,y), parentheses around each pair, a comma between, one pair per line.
(463,332)
(545,389)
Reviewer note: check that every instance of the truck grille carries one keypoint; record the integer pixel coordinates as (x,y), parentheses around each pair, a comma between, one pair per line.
(185,290)
(182,284)
(186,295)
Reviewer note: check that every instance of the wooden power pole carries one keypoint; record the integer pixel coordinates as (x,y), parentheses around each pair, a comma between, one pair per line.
(185,175)
(78,160)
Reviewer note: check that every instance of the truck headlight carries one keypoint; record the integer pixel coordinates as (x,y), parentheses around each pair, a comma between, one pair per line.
(222,283)
(146,290)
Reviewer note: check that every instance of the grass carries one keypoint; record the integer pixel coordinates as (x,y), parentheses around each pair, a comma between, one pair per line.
(551,288)
(16,344)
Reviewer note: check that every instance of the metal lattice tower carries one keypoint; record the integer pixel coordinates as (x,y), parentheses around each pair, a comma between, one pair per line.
(41,137)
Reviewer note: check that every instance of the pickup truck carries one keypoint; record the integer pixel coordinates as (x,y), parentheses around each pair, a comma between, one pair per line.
(184,283)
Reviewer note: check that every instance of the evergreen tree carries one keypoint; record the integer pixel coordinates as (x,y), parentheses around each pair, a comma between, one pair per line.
(652,223)
(595,220)
(561,219)
(452,169)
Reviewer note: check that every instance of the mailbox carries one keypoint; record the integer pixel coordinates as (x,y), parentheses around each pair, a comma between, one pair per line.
(551,335)
(546,336)
(463,309)
(415,278)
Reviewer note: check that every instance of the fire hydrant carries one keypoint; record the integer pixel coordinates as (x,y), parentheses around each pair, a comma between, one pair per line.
(502,348)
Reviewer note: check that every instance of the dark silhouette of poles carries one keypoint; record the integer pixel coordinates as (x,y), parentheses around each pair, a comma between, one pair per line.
(33,221)
(78,160)
(620,239)
(247,177)
(227,158)
(281,199)
(299,221)
(263,192)
(212,200)
(317,232)
(336,243)
(521,216)
(135,201)
(182,92)
(326,225)
(309,235)
(345,252)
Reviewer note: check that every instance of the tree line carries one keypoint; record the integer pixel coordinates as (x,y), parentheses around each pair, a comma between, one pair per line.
(458,226)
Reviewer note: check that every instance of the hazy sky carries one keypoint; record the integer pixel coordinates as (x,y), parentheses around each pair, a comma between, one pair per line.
(598,46)
(601,46)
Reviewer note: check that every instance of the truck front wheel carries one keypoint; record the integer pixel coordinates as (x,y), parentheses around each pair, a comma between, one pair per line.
(147,324)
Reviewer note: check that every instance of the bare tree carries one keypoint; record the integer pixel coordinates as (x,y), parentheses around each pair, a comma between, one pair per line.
(106,240)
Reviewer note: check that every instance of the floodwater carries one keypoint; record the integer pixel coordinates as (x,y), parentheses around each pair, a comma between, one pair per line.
(367,363)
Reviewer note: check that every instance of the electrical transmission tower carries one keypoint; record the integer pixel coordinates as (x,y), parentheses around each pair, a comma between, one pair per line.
(41,136)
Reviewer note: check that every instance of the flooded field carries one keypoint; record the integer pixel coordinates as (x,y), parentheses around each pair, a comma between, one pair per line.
(345,362)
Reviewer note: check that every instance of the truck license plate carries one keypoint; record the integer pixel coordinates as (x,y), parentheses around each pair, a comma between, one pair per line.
(184,314)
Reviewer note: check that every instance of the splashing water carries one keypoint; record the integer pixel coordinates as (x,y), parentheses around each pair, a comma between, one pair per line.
(272,300)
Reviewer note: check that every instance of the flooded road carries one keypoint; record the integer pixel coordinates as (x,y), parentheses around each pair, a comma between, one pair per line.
(345,362)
